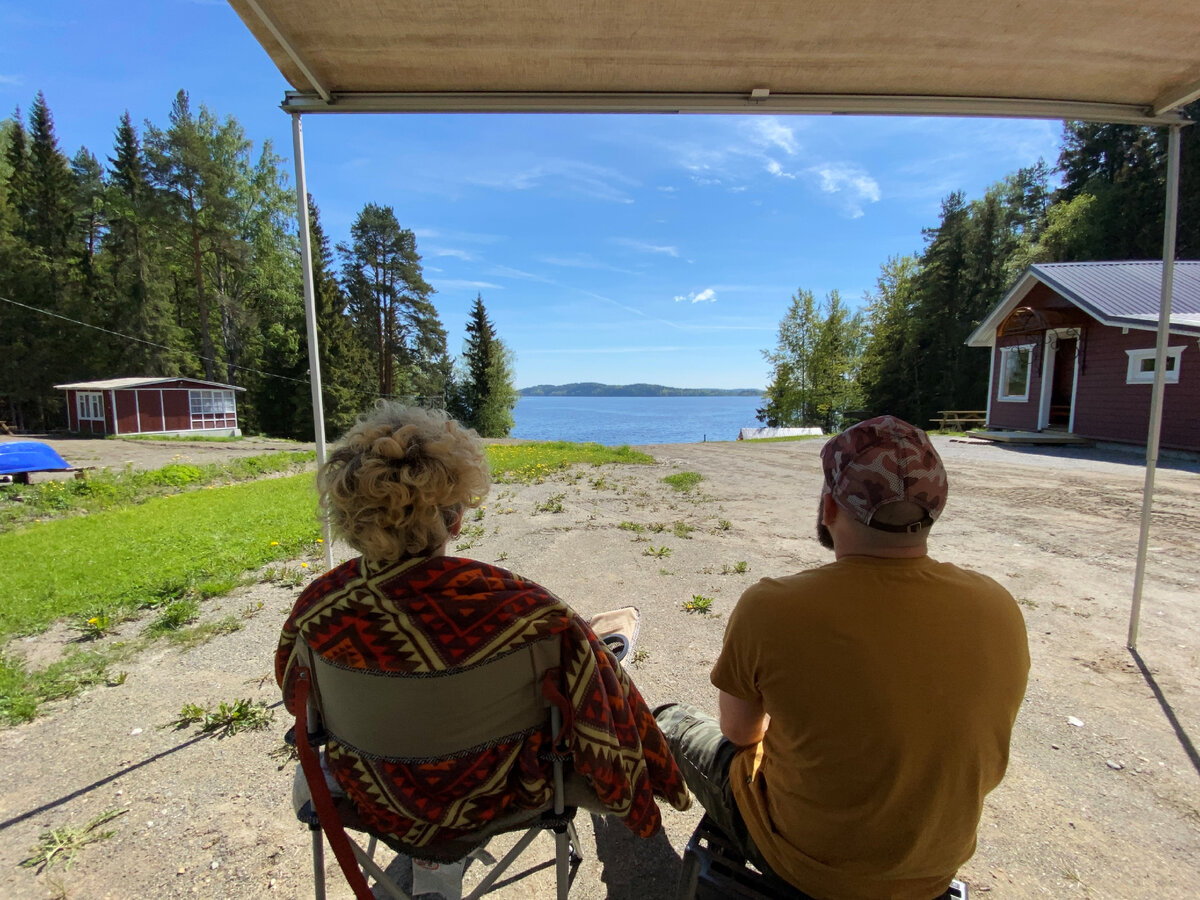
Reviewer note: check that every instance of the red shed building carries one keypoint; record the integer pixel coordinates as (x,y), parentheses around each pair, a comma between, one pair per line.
(168,406)
(1073,349)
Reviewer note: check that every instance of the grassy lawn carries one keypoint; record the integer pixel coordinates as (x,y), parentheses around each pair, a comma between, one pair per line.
(196,542)
(104,490)
(159,551)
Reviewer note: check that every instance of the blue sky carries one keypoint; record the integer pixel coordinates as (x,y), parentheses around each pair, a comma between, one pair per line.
(619,249)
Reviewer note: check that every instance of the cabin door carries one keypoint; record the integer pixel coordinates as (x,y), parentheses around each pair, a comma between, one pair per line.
(1062,390)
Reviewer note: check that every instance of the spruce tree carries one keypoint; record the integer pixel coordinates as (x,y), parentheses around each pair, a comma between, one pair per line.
(141,296)
(485,395)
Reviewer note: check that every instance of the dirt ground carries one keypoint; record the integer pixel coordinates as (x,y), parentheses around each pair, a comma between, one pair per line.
(1102,798)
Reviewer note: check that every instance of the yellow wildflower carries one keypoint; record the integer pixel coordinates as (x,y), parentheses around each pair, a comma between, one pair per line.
(304,565)
(274,543)
(93,621)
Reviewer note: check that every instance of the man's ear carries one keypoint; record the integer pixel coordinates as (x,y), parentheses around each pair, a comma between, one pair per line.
(829,510)
(456,525)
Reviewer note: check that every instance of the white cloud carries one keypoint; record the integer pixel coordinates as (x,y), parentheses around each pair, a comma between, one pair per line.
(14,80)
(776,169)
(582,261)
(460,237)
(708,295)
(853,184)
(473,285)
(668,189)
(561,177)
(771,132)
(646,247)
(544,351)
(449,251)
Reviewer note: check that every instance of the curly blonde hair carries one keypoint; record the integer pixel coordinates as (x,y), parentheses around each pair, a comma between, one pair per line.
(397,481)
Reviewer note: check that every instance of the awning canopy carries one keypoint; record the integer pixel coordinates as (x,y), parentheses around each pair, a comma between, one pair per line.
(1074,59)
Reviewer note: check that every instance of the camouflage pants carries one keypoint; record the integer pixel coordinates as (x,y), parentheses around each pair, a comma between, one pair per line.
(703,754)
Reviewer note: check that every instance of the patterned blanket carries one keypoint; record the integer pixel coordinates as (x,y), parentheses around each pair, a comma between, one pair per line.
(443,613)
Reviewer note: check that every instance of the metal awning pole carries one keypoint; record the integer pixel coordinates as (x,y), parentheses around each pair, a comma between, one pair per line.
(310,314)
(1160,375)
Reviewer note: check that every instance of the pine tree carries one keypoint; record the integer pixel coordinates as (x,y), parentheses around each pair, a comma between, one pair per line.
(389,298)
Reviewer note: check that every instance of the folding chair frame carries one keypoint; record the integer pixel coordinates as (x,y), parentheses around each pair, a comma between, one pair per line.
(357,864)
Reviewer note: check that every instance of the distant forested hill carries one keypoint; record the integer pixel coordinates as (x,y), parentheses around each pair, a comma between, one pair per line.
(594,389)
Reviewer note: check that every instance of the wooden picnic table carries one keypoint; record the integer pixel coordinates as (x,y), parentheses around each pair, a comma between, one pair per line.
(958,419)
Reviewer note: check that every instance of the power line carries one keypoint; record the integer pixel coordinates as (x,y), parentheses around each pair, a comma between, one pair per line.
(130,337)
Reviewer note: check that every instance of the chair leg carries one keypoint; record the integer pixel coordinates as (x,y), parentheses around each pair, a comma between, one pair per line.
(689,876)
(576,849)
(562,862)
(499,868)
(371,868)
(318,854)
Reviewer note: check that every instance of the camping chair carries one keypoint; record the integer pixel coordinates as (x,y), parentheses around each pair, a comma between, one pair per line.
(416,718)
(714,869)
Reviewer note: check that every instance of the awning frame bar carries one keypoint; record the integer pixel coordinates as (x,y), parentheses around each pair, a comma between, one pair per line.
(725,103)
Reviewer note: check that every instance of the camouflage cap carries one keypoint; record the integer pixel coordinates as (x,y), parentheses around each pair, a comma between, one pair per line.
(880,461)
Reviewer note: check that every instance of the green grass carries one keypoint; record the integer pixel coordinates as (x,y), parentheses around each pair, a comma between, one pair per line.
(684,481)
(108,490)
(195,544)
(533,462)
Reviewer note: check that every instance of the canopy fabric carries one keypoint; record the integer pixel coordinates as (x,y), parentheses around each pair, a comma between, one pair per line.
(1109,60)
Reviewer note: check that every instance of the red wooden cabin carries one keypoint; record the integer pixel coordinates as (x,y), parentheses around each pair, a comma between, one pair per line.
(167,406)
(1073,350)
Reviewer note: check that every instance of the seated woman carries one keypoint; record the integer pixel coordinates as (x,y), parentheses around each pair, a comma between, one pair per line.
(395,488)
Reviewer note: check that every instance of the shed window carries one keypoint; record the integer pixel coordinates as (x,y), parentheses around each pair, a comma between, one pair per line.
(1141,366)
(90,405)
(209,402)
(1014,373)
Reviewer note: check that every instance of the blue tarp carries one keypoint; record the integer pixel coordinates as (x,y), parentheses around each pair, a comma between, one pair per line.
(29,456)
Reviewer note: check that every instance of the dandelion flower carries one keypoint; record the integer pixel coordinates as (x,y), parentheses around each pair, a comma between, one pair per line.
(93,621)
(274,543)
(320,540)
(304,565)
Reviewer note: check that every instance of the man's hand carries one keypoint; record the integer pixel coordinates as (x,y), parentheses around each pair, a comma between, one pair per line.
(742,721)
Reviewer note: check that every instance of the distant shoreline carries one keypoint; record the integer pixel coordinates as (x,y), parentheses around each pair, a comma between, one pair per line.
(595,389)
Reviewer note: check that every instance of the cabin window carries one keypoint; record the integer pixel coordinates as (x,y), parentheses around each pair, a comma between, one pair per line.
(1141,366)
(90,406)
(1014,373)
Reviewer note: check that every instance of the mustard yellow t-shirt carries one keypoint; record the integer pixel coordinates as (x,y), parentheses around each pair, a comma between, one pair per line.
(892,686)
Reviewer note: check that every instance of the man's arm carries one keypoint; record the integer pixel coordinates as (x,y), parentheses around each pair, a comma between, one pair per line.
(742,721)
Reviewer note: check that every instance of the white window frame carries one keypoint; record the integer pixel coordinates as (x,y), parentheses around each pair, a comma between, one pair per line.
(1007,353)
(89,406)
(1137,374)
(212,409)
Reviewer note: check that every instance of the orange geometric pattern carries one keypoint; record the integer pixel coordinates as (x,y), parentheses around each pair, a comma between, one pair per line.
(444,613)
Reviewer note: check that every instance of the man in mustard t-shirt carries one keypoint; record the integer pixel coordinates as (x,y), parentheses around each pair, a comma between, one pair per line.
(865,706)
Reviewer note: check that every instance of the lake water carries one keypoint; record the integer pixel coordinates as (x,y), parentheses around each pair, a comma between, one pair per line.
(634,420)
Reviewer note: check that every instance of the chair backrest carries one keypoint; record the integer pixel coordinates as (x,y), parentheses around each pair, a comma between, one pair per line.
(429,715)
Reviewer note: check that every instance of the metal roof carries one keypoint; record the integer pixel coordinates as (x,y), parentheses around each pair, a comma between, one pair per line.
(1107,60)
(1123,294)
(113,384)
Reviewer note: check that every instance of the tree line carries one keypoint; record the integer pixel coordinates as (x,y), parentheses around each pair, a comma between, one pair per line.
(178,256)
(904,351)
